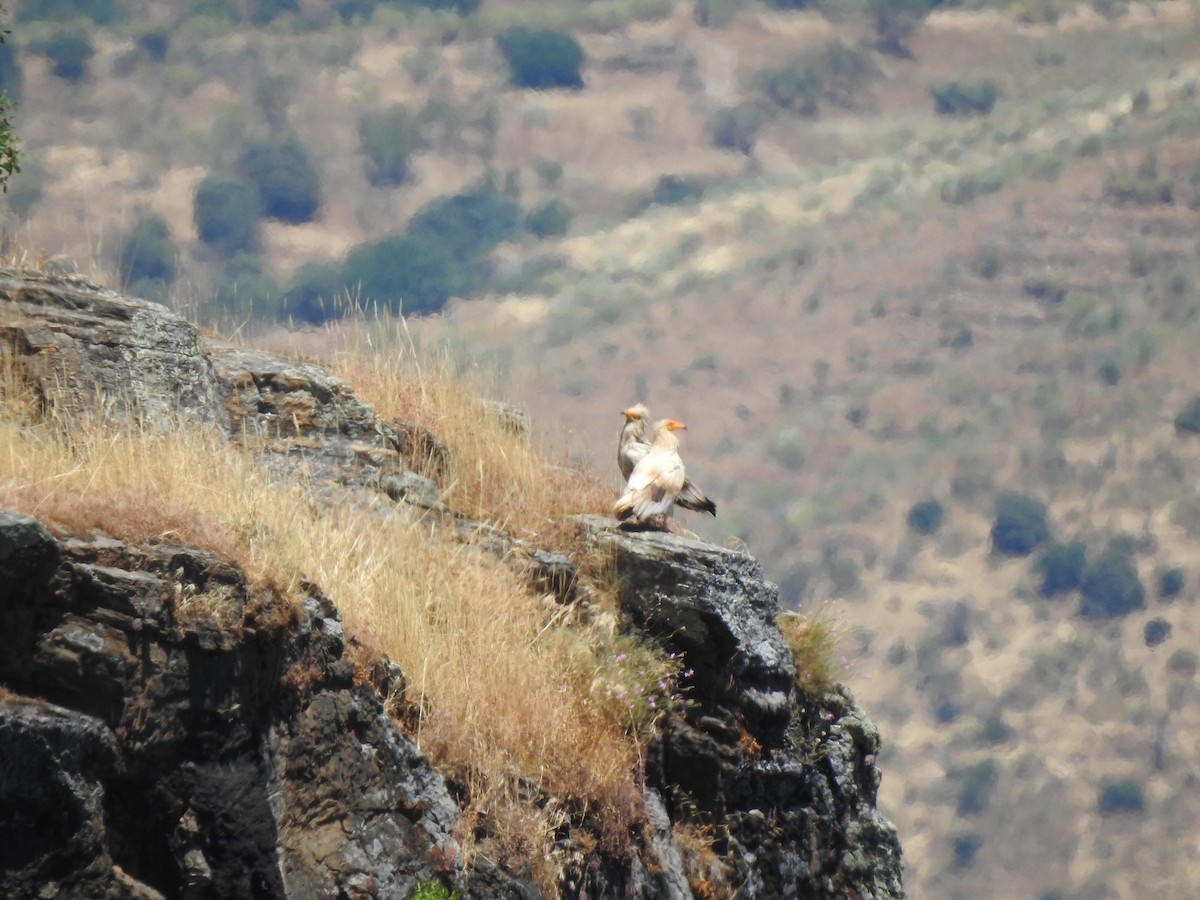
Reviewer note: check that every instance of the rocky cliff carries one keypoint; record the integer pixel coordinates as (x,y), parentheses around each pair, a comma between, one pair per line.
(145,755)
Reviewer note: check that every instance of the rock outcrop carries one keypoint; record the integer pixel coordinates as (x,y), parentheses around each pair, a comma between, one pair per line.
(247,752)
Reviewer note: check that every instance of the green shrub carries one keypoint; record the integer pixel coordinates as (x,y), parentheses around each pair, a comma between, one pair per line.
(317,294)
(968,186)
(956,99)
(1143,186)
(736,127)
(1109,372)
(470,223)
(389,138)
(1111,586)
(1123,796)
(1049,287)
(148,252)
(246,289)
(541,59)
(716,13)
(69,53)
(1170,583)
(264,11)
(154,42)
(11,80)
(896,21)
(843,73)
(433,890)
(550,219)
(287,183)
(1020,525)
(976,786)
(677,190)
(226,11)
(794,87)
(1188,420)
(1156,631)
(925,517)
(412,273)
(964,847)
(226,212)
(1183,662)
(1061,568)
(102,12)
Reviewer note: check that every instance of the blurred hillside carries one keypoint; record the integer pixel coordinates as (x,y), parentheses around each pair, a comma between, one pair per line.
(884,285)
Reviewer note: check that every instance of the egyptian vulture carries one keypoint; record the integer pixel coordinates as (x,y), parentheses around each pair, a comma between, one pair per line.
(658,482)
(634,443)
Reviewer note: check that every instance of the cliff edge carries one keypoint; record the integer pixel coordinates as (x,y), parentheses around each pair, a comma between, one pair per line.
(145,754)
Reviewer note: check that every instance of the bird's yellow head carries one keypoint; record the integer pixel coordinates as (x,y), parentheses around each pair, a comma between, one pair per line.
(672,425)
(635,413)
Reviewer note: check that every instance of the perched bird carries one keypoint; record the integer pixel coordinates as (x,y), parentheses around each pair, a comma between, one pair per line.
(634,443)
(658,482)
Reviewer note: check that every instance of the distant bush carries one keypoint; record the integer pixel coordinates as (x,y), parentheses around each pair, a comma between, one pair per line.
(148,252)
(1049,287)
(1123,796)
(541,59)
(1061,568)
(1020,525)
(1188,420)
(794,87)
(1170,583)
(246,289)
(925,517)
(1111,586)
(442,254)
(844,73)
(736,127)
(1156,631)
(716,13)
(551,219)
(976,786)
(154,42)
(69,52)
(1183,662)
(1109,372)
(412,273)
(1143,186)
(102,12)
(264,11)
(677,190)
(11,81)
(968,186)
(964,847)
(389,138)
(226,212)
(318,294)
(896,21)
(287,183)
(470,223)
(956,99)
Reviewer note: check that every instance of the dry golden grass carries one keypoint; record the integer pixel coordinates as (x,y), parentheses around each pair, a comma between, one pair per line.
(813,640)
(495,474)
(501,689)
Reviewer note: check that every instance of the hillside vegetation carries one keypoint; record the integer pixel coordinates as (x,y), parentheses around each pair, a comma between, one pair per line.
(929,309)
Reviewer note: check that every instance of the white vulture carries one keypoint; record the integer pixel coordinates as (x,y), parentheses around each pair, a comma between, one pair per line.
(634,443)
(658,482)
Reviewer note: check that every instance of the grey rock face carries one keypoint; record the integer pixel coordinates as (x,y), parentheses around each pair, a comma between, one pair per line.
(152,757)
(77,340)
(792,787)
